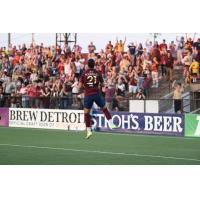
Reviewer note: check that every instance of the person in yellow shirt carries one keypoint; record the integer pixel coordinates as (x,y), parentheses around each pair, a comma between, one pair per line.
(119,46)
(194,70)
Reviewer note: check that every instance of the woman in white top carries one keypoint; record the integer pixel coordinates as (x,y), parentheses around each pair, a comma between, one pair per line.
(75,91)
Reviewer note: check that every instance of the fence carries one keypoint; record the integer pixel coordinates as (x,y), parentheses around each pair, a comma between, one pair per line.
(117,104)
(64,102)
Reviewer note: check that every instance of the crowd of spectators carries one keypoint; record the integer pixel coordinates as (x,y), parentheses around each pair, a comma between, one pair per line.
(47,77)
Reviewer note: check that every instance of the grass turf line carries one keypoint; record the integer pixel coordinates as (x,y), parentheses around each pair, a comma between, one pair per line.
(71,148)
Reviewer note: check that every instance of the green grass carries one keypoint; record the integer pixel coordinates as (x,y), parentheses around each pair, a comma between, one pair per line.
(43,147)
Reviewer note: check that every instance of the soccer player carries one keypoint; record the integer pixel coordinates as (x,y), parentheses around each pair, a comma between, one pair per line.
(92,82)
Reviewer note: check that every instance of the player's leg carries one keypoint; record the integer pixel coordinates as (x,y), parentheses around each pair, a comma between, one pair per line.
(87,106)
(100,101)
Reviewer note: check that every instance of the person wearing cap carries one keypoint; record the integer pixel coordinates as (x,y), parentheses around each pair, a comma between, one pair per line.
(131,51)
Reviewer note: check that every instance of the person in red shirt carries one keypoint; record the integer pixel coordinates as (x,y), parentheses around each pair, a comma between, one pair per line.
(31,91)
(91,80)
(16,59)
(61,65)
(163,46)
(155,52)
(169,65)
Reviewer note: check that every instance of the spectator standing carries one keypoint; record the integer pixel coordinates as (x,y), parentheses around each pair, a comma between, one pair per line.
(177,97)
(169,65)
(187,61)
(163,46)
(194,70)
(180,48)
(109,94)
(119,46)
(132,51)
(75,91)
(154,70)
(163,60)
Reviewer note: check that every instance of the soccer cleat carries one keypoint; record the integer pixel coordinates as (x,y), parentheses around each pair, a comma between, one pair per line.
(89,134)
(112,126)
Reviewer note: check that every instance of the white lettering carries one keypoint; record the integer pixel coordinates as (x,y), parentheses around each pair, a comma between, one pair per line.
(148,123)
(177,124)
(126,121)
(118,119)
(135,125)
(167,123)
(157,123)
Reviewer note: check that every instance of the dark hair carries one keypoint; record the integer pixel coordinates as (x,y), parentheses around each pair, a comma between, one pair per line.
(91,63)
(179,84)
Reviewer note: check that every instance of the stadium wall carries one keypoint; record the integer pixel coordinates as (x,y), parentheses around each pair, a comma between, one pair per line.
(4,117)
(127,122)
(192,125)
(46,118)
(142,123)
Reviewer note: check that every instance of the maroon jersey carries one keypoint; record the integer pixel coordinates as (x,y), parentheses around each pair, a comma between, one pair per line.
(91,79)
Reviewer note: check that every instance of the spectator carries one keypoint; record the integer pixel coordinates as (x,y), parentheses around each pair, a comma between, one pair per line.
(180,48)
(109,94)
(178,90)
(75,91)
(125,62)
(172,49)
(149,46)
(132,51)
(120,87)
(155,73)
(46,77)
(140,49)
(194,70)
(140,95)
(146,85)
(119,46)
(169,65)
(109,47)
(163,60)
(23,94)
(189,43)
(187,61)
(163,46)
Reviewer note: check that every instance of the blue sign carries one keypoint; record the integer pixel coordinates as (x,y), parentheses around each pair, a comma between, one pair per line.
(144,123)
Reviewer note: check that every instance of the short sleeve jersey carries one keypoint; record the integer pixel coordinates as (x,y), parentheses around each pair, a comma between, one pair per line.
(91,79)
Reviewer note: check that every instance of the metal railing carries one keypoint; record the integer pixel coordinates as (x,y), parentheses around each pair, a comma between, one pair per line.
(65,102)
(165,105)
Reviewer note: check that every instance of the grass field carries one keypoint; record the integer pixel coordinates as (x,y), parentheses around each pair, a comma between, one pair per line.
(44,147)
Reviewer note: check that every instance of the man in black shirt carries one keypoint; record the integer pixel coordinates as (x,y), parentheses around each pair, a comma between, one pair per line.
(132,50)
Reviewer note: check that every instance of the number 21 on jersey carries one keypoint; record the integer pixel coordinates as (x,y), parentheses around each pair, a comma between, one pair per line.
(91,80)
